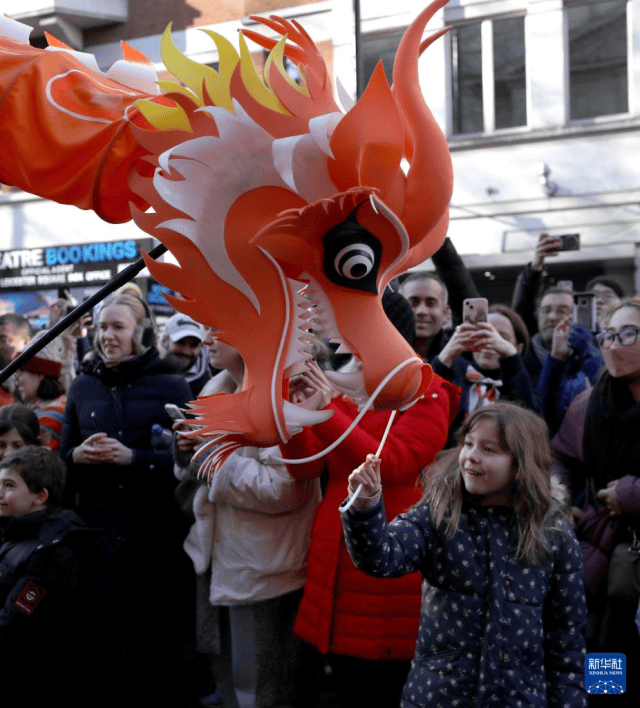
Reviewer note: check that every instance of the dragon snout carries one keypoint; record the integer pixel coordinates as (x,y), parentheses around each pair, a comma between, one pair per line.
(390,389)
(405,386)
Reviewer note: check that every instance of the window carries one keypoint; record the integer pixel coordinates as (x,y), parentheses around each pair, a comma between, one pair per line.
(508,73)
(376,47)
(488,75)
(597,59)
(466,64)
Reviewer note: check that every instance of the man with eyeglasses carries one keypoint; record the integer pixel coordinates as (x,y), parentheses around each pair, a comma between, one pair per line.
(608,293)
(564,359)
(533,280)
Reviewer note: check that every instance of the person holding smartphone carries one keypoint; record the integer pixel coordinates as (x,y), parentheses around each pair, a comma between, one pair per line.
(564,359)
(484,358)
(75,339)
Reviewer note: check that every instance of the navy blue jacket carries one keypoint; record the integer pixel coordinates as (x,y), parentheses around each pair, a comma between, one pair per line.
(557,383)
(143,570)
(126,404)
(493,632)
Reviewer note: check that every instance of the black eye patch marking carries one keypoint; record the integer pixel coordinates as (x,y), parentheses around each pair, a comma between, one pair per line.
(352,255)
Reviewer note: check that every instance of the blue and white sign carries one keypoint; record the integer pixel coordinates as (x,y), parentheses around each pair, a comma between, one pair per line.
(605,673)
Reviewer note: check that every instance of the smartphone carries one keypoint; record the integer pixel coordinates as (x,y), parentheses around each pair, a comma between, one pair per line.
(569,242)
(174,411)
(565,285)
(584,310)
(474,310)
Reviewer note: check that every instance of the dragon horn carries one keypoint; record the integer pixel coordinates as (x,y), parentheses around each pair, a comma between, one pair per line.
(430,171)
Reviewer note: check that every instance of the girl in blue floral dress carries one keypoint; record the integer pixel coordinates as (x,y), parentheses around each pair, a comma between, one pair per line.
(503,612)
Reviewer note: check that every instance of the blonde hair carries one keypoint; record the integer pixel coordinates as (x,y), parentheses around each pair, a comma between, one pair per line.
(633,302)
(144,335)
(536,499)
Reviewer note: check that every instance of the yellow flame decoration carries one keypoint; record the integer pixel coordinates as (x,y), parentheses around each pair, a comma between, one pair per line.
(193,75)
(164,117)
(218,85)
(276,56)
(190,72)
(252,81)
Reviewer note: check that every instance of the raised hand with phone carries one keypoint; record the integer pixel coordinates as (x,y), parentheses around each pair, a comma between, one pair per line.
(549,246)
(483,357)
(478,335)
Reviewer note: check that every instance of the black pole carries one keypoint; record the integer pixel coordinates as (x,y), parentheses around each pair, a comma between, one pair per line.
(358,42)
(123,277)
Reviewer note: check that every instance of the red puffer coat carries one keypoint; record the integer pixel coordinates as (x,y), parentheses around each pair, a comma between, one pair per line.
(344,611)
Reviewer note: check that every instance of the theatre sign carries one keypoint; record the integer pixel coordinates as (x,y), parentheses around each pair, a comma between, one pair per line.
(72,266)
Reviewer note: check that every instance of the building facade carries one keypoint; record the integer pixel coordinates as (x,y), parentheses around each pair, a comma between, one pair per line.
(539,99)
(540,102)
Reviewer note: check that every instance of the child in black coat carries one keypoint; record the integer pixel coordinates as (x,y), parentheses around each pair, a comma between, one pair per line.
(39,573)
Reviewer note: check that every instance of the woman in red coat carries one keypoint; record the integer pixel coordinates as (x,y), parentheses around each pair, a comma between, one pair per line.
(367,627)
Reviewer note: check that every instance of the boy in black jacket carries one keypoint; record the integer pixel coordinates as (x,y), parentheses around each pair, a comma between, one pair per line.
(39,572)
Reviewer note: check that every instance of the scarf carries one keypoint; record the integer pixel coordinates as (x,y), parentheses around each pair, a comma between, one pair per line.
(540,351)
(611,441)
(200,368)
(483,390)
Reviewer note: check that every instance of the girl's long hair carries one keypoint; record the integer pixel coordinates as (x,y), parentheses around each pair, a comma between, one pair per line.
(538,500)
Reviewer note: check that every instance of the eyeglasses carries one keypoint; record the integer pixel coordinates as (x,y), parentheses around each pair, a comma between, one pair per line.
(559,311)
(605,295)
(627,337)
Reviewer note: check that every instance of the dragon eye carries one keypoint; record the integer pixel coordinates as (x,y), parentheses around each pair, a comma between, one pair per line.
(352,256)
(355,261)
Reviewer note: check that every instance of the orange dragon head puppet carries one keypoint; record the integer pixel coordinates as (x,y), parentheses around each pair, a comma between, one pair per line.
(279,206)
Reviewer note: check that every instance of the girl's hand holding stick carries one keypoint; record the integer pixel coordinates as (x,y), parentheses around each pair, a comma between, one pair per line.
(371,459)
(366,476)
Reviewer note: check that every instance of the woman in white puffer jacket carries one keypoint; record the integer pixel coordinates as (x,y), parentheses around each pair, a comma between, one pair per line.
(248,544)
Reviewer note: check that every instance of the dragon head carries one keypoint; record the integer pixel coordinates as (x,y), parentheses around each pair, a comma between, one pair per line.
(278,205)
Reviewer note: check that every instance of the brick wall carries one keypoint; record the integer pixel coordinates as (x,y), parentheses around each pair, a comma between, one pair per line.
(147,17)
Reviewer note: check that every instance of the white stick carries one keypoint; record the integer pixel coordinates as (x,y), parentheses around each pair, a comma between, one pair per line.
(349,504)
(354,423)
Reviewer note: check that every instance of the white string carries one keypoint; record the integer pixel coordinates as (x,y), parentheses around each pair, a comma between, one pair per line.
(349,504)
(368,404)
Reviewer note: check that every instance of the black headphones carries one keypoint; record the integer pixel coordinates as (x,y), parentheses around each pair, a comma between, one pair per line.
(148,326)
(145,331)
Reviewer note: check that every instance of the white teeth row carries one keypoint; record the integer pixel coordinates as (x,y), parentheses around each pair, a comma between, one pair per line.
(312,304)
(300,344)
(350,383)
(322,310)
(297,418)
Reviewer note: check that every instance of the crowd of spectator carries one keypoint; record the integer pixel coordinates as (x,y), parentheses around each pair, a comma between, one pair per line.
(254,569)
